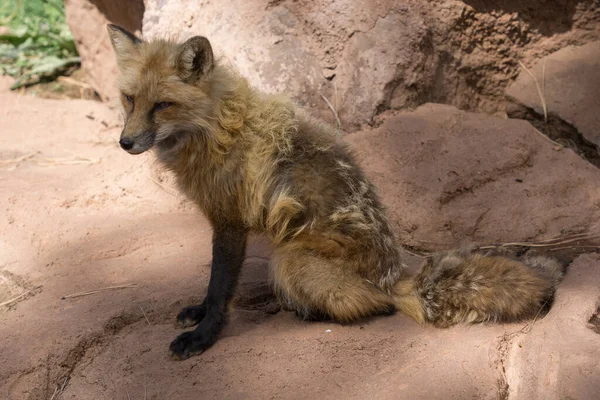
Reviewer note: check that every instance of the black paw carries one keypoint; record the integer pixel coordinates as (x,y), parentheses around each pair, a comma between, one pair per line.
(191,316)
(186,345)
(389,310)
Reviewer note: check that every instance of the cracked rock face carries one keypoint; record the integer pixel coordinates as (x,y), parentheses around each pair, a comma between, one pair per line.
(448,176)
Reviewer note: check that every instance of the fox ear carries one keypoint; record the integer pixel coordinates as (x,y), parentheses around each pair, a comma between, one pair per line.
(195,59)
(124,43)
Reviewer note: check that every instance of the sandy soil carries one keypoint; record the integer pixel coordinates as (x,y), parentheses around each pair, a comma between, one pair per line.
(80,214)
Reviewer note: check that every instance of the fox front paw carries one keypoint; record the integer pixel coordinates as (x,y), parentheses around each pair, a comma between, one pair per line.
(191,316)
(188,344)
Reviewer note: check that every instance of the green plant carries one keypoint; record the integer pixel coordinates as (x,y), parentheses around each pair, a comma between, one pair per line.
(36,43)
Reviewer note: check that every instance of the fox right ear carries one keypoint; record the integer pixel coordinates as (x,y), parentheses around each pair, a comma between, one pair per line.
(124,43)
(195,59)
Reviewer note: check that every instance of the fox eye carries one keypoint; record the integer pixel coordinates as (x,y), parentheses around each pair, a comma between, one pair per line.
(129,98)
(162,105)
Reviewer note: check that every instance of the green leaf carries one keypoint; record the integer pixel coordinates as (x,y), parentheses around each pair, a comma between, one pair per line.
(38,42)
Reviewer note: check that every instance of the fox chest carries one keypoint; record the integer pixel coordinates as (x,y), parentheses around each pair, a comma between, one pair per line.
(216,194)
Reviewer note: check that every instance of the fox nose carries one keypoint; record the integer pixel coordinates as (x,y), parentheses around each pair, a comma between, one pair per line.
(126,143)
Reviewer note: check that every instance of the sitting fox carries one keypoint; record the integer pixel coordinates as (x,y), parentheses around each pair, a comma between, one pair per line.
(255,163)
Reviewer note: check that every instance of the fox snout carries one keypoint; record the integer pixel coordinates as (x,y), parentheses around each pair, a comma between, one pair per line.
(137,144)
(126,143)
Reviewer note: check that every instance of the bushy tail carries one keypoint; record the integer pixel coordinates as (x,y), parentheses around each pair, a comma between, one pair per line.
(462,286)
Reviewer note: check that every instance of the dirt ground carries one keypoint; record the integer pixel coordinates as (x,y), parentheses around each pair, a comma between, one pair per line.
(79,214)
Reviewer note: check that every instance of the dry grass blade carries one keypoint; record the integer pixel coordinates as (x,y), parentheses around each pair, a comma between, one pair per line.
(163,187)
(18,159)
(104,289)
(537,85)
(68,161)
(335,95)
(557,145)
(582,236)
(57,391)
(74,82)
(567,239)
(550,242)
(335,114)
(49,161)
(574,247)
(544,87)
(7,302)
(144,314)
(529,326)
(412,253)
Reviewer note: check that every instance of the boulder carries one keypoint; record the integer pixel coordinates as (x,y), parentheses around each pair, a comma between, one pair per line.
(449,176)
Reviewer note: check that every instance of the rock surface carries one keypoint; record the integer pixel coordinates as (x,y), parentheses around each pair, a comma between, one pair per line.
(545,363)
(81,214)
(363,56)
(571,86)
(87,20)
(370,56)
(450,176)
(353,53)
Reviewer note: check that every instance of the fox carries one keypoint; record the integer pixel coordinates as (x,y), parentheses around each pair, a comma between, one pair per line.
(254,162)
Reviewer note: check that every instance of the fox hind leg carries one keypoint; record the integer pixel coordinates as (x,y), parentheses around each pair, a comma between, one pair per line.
(325,288)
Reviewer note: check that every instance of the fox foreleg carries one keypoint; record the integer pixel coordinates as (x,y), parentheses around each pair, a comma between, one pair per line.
(229,248)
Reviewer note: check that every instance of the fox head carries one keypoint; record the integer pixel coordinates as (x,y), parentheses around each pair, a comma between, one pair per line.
(166,89)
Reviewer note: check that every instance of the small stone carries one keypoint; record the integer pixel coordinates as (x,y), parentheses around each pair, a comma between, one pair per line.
(328,73)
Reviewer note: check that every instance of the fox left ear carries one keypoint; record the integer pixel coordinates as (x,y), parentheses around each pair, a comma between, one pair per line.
(124,43)
(195,59)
